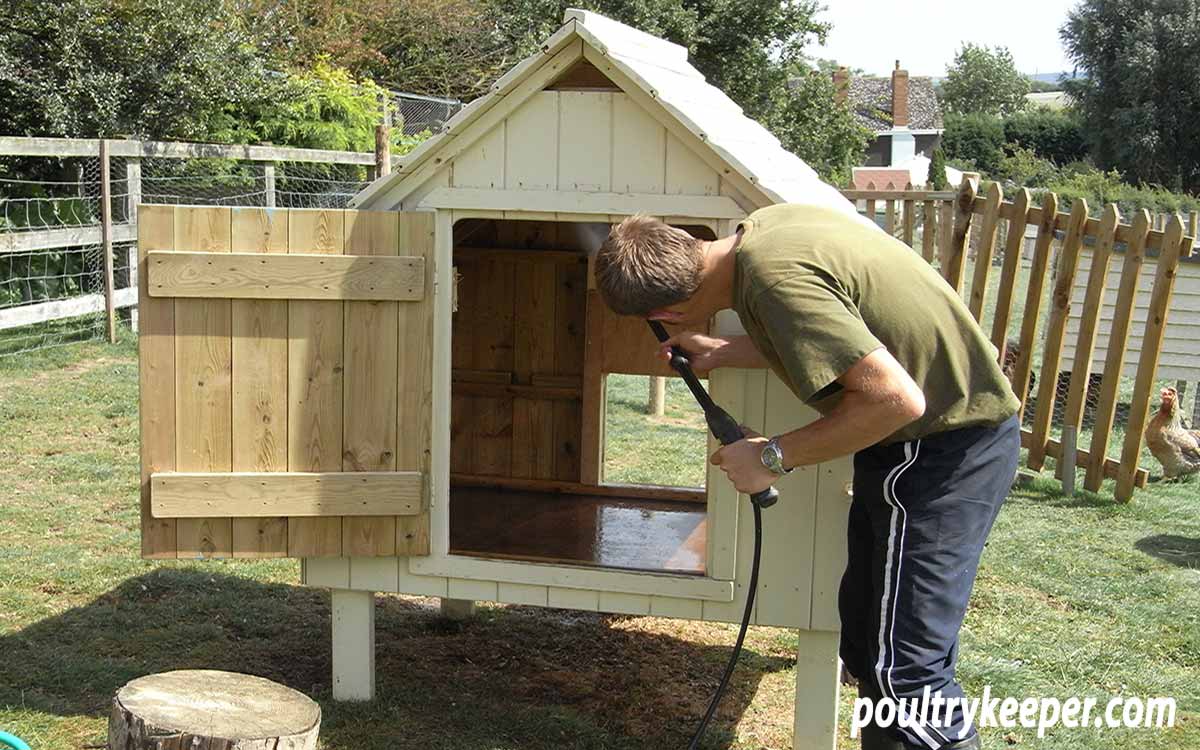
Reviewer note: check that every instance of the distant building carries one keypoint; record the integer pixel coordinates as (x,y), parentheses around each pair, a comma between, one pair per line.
(902,111)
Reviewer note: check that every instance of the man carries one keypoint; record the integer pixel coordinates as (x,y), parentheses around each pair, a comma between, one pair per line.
(864,331)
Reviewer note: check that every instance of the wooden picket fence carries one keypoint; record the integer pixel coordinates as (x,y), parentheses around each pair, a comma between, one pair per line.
(949,219)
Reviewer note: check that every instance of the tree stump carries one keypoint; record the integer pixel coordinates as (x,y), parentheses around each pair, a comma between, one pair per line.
(192,709)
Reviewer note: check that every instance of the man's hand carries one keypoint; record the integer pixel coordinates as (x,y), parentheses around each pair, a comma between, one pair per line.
(708,352)
(742,463)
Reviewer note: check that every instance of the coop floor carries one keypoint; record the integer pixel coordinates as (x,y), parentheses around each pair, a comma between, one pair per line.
(608,532)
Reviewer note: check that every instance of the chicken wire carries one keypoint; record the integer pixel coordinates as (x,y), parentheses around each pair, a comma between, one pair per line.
(419,114)
(51,257)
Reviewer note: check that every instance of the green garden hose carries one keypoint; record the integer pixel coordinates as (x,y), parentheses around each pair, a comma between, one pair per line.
(12,741)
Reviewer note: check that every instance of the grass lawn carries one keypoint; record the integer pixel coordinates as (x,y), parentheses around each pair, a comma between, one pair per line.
(1075,596)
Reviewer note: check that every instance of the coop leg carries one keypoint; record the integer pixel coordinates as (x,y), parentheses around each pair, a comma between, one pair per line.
(458,609)
(353,645)
(817,683)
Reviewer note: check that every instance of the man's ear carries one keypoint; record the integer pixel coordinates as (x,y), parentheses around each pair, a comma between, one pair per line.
(665,316)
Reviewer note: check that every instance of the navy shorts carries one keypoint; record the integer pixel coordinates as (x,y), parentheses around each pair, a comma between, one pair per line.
(921,512)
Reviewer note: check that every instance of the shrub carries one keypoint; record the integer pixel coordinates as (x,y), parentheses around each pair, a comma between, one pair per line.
(937,170)
(1022,167)
(978,138)
(1050,134)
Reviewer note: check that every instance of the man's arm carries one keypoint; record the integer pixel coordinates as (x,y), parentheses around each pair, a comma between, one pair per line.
(878,398)
(708,352)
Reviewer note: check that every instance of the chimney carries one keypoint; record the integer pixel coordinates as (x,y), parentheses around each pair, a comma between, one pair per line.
(841,84)
(899,97)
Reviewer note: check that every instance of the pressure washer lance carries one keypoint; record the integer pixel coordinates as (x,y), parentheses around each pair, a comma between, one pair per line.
(727,431)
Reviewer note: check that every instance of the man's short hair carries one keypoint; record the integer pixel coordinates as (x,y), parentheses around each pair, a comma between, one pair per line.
(644,265)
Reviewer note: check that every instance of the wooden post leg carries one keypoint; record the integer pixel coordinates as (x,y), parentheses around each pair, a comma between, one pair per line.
(817,684)
(458,609)
(353,645)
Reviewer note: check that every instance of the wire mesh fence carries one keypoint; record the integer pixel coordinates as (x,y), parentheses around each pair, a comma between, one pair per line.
(419,114)
(52,289)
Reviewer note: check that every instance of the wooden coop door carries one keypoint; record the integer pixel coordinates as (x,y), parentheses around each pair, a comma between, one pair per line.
(285,381)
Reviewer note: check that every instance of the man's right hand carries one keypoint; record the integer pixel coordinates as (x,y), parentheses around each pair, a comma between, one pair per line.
(708,352)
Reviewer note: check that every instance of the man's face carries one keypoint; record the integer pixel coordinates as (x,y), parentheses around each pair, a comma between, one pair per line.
(688,313)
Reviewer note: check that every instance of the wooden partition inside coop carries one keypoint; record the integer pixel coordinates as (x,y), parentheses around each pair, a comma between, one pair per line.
(532,345)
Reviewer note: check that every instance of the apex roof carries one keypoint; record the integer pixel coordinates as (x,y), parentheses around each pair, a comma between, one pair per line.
(658,69)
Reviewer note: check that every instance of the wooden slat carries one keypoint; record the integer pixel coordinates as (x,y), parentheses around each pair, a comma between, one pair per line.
(540,197)
(369,425)
(533,418)
(870,210)
(1033,298)
(414,373)
(1118,339)
(1089,320)
(1013,248)
(906,194)
(315,362)
(929,233)
(591,451)
(638,491)
(492,377)
(203,381)
(494,350)
(1156,323)
(156,381)
(500,391)
(1082,457)
(469,254)
(945,236)
(570,313)
(259,350)
(890,217)
(983,253)
(955,260)
(910,221)
(293,276)
(296,494)
(1055,332)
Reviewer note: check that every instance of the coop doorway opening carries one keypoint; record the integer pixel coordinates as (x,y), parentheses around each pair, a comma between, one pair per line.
(546,465)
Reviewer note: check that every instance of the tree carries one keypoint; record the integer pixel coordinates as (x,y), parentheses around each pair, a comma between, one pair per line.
(975,139)
(88,68)
(1057,135)
(937,170)
(984,80)
(1139,91)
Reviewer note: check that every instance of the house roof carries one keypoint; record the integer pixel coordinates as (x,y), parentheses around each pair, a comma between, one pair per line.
(871,100)
(660,70)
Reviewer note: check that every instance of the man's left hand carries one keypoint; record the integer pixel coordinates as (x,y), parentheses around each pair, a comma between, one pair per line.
(742,463)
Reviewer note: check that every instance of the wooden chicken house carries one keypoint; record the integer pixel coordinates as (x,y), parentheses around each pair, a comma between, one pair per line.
(410,395)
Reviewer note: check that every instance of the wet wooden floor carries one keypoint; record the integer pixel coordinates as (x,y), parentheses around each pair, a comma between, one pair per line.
(608,532)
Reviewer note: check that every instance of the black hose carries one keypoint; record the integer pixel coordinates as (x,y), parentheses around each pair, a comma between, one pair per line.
(737,647)
(726,430)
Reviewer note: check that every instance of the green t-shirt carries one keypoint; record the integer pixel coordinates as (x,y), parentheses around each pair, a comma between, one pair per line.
(818,290)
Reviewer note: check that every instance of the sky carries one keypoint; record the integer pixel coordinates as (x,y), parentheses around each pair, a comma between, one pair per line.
(925,34)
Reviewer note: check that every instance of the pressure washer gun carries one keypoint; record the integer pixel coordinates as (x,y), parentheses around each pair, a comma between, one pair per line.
(723,426)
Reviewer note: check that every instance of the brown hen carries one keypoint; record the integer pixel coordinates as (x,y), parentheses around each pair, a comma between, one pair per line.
(1176,447)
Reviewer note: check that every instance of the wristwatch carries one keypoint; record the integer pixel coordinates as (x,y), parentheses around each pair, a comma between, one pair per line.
(772,457)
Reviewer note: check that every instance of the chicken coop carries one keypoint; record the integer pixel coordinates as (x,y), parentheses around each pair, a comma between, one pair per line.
(410,395)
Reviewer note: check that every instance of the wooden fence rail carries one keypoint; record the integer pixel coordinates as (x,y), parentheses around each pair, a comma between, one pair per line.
(1061,239)
(106,232)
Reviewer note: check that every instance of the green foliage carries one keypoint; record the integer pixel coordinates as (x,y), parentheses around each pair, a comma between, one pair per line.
(937,170)
(984,80)
(977,138)
(1140,87)
(1040,87)
(146,68)
(1057,135)
(1100,187)
(823,133)
(1021,166)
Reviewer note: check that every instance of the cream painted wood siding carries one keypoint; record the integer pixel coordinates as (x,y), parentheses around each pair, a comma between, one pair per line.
(1180,358)
(583,141)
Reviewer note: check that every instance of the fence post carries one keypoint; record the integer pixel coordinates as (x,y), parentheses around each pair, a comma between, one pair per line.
(658,395)
(133,199)
(383,150)
(106,239)
(1066,465)
(269,183)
